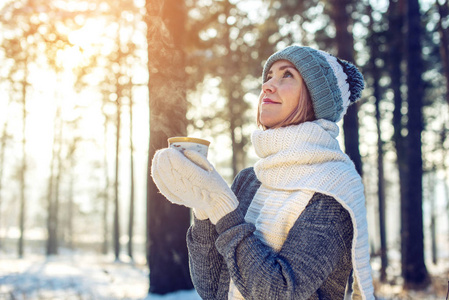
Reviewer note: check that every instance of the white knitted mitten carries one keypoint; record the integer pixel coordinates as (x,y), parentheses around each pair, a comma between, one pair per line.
(189,179)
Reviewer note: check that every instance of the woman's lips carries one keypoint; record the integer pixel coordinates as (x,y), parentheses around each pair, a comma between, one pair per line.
(269,101)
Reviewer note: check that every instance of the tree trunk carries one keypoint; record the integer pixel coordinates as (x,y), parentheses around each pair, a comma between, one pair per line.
(4,137)
(433,214)
(396,15)
(105,244)
(414,272)
(443,10)
(131,200)
(22,210)
(235,127)
(167,224)
(57,200)
(445,167)
(345,46)
(119,90)
(116,228)
(50,208)
(70,208)
(381,198)
(446,192)
(229,87)
(53,187)
(376,74)
(3,141)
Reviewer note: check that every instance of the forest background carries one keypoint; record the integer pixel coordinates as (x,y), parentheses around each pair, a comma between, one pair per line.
(90,89)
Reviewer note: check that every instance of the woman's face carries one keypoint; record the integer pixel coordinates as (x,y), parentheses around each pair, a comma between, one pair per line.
(280,93)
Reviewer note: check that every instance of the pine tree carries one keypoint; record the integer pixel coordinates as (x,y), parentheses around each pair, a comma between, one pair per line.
(166,223)
(414,269)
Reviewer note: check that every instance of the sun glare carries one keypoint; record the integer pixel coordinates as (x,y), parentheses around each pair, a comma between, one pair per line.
(70,57)
(88,35)
(54,89)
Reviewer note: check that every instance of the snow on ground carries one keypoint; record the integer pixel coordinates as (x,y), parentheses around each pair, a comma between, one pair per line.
(76,276)
(392,289)
(90,276)
(182,295)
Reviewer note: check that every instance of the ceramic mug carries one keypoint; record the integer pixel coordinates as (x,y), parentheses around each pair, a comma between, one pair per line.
(182,143)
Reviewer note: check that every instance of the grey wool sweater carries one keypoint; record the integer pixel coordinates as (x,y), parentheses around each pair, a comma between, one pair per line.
(313,263)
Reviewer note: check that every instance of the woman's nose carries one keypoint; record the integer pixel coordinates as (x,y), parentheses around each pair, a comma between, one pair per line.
(268,86)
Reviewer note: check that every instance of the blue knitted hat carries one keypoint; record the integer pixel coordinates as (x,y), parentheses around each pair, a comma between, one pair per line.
(333,84)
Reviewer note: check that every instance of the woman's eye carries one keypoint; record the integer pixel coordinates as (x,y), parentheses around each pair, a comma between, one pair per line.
(268,78)
(288,74)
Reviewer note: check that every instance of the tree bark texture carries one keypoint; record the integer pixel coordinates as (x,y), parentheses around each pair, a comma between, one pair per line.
(167,223)
(396,17)
(345,46)
(414,269)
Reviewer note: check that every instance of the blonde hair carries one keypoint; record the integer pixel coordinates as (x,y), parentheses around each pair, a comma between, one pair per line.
(302,113)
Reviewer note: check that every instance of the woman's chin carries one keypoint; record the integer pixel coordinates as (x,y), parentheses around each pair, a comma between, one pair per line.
(268,121)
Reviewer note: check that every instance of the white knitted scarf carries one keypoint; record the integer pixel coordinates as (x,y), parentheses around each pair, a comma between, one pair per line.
(295,162)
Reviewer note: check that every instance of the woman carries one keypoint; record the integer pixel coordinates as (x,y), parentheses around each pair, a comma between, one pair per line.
(294,226)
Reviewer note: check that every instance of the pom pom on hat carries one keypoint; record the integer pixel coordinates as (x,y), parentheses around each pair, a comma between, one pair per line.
(355,80)
(333,84)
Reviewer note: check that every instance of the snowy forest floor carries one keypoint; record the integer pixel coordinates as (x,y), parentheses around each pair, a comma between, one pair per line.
(89,276)
(438,290)
(392,289)
(71,275)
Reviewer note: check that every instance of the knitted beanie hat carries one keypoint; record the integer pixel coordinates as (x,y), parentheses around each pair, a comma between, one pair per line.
(333,84)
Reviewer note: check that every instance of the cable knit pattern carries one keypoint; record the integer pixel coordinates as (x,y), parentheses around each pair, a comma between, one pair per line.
(297,161)
(314,262)
(241,255)
(274,213)
(342,82)
(189,179)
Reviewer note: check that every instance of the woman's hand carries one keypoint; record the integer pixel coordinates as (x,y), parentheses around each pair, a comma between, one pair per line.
(189,179)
